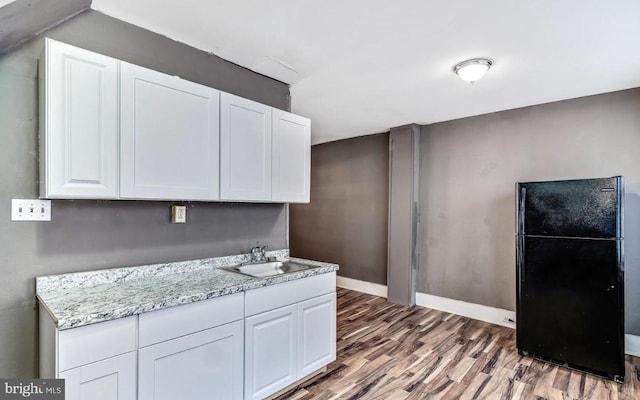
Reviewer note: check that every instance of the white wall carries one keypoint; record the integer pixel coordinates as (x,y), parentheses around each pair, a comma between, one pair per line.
(469,168)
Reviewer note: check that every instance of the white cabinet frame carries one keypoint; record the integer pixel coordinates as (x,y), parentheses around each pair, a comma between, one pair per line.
(169,137)
(291,163)
(245,149)
(271,345)
(113,378)
(316,334)
(202,365)
(78,123)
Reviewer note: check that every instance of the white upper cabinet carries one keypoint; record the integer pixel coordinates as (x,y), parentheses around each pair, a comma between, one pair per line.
(169,137)
(245,149)
(78,123)
(113,130)
(291,157)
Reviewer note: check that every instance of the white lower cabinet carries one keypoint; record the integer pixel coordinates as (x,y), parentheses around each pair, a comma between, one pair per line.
(98,361)
(202,365)
(270,352)
(110,379)
(316,333)
(295,338)
(244,345)
(193,351)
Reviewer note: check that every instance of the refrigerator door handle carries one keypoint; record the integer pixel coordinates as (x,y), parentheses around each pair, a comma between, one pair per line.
(620,246)
(620,207)
(522,199)
(520,259)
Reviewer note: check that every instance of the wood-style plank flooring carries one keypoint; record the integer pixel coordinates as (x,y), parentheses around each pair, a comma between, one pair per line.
(390,352)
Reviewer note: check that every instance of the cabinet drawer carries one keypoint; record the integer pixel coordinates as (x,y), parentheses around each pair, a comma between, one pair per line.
(91,343)
(170,323)
(283,294)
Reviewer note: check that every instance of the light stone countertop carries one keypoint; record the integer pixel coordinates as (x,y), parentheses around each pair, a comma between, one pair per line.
(84,298)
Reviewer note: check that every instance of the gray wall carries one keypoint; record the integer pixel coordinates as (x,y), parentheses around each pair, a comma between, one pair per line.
(346,221)
(468,172)
(469,169)
(86,235)
(23,19)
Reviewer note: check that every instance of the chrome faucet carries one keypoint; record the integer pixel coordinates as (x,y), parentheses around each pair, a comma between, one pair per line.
(258,254)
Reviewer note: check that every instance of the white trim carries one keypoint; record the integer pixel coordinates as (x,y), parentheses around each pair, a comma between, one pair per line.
(632,345)
(497,316)
(362,286)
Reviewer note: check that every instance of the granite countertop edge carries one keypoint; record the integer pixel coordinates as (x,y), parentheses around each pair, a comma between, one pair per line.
(60,294)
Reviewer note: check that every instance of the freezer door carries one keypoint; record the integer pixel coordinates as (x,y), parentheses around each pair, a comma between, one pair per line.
(570,303)
(588,208)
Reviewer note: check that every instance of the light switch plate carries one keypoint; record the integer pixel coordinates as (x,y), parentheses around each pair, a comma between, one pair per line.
(178,214)
(30,210)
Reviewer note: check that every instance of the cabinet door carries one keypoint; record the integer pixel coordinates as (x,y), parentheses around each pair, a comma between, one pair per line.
(110,379)
(316,334)
(245,149)
(291,157)
(79,123)
(270,352)
(202,365)
(169,137)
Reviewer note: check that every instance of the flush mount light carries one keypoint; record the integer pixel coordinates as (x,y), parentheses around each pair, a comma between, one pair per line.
(472,70)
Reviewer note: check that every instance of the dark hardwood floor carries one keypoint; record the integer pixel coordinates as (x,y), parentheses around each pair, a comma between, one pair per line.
(389,352)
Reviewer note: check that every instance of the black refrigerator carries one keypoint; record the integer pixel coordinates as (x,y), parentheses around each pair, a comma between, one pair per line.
(570,274)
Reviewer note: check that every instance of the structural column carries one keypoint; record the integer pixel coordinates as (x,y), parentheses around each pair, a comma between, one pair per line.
(404,168)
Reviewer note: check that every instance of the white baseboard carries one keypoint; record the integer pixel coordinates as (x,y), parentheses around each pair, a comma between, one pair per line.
(497,316)
(362,286)
(480,312)
(632,345)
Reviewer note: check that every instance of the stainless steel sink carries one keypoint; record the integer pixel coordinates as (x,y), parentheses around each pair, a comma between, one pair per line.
(267,269)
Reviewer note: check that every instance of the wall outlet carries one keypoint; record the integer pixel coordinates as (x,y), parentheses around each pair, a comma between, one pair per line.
(178,214)
(30,210)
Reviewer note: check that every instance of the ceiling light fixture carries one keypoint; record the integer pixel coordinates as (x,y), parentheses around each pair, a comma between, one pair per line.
(472,70)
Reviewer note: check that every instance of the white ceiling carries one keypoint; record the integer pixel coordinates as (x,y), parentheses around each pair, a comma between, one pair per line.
(358,67)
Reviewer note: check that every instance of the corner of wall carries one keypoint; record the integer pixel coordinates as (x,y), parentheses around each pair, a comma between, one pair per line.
(25,19)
